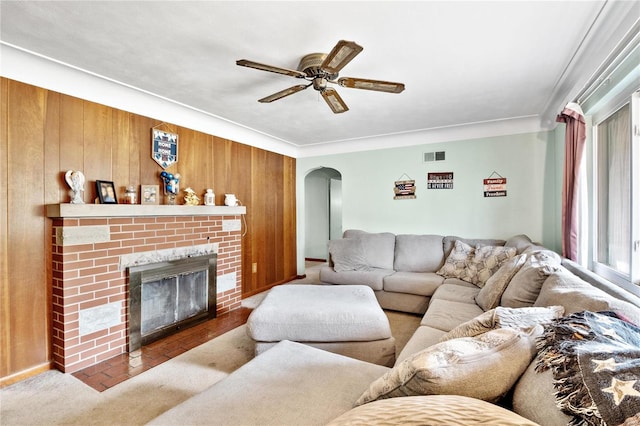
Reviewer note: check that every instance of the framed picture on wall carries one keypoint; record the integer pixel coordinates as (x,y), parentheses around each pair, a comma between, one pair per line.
(106,192)
(149,194)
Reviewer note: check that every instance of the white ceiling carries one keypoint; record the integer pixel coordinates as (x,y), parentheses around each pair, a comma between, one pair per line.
(462,62)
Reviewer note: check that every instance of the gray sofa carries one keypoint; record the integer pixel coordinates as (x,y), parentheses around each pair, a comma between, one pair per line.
(293,384)
(401,269)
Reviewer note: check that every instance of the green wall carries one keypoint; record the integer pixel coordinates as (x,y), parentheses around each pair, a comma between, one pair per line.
(531,163)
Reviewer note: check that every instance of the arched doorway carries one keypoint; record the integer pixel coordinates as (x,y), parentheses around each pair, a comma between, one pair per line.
(323,211)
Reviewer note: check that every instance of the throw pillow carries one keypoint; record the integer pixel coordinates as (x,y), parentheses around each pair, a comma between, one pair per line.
(519,318)
(456,264)
(524,287)
(486,260)
(432,410)
(491,292)
(347,254)
(459,367)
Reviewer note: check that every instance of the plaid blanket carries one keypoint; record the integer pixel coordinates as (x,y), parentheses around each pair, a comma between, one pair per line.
(595,360)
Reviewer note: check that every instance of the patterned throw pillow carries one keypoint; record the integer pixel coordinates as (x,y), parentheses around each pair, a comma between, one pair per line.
(485,261)
(456,264)
(459,367)
(475,264)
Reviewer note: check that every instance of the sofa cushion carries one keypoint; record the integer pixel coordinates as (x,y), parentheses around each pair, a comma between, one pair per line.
(421,339)
(459,282)
(533,398)
(486,260)
(459,367)
(599,282)
(347,254)
(271,388)
(379,248)
(501,317)
(420,283)
(433,410)
(566,289)
(373,278)
(524,287)
(490,295)
(418,253)
(448,243)
(457,293)
(520,242)
(446,314)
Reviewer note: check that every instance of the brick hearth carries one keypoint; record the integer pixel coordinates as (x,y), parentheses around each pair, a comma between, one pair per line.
(90,280)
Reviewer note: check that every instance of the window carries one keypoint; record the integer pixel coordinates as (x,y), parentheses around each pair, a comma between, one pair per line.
(616,196)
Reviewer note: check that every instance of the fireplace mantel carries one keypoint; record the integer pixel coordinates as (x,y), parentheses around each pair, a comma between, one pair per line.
(67,210)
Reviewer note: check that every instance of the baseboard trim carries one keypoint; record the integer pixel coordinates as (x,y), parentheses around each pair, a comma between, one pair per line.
(25,374)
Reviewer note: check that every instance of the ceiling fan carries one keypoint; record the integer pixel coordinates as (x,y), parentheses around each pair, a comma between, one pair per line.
(320,69)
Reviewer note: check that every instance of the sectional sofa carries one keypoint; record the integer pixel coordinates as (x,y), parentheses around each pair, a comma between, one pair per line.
(489,309)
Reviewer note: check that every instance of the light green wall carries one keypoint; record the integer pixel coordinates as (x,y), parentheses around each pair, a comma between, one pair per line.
(530,162)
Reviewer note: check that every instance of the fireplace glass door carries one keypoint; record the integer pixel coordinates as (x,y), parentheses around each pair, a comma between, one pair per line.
(165,297)
(172,300)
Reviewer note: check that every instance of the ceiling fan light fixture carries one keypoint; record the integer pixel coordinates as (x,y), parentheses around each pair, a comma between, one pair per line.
(340,55)
(319,69)
(334,101)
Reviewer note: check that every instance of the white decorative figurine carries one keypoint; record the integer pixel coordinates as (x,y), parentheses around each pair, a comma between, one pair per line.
(76,181)
(191,199)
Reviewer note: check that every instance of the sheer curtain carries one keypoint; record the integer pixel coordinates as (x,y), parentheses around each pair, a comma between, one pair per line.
(575,136)
(614,190)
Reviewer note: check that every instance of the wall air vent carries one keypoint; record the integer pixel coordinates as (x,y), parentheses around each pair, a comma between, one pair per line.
(433,156)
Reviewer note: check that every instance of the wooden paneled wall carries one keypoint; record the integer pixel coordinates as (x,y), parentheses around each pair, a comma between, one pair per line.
(44,133)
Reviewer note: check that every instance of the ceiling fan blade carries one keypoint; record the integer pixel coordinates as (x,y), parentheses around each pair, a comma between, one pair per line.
(270,68)
(334,101)
(281,94)
(341,55)
(377,85)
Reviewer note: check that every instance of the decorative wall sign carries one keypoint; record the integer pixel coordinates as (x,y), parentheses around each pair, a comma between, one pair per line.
(495,186)
(405,190)
(440,180)
(164,147)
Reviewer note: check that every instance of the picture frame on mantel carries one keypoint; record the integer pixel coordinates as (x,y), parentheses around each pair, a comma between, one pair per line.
(150,194)
(106,192)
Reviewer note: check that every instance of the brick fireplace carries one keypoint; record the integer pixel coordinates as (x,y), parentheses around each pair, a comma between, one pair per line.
(93,247)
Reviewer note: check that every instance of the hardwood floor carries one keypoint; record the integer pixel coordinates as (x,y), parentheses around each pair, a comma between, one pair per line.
(118,369)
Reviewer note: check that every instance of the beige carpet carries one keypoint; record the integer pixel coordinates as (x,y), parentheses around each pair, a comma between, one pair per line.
(54,398)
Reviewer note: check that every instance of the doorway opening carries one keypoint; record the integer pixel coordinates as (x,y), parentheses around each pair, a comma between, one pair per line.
(323,211)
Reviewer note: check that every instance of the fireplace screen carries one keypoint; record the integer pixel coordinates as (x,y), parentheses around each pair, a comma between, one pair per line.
(166,297)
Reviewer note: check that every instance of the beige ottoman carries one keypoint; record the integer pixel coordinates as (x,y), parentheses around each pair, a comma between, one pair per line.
(343,319)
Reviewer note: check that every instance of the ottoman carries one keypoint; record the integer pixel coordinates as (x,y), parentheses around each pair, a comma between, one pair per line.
(343,319)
